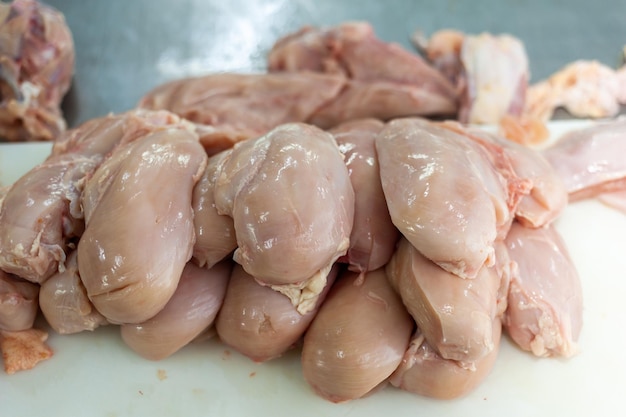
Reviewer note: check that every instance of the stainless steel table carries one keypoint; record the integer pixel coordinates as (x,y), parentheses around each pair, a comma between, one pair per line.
(126,47)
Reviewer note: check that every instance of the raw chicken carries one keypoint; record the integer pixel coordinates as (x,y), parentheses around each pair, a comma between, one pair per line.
(547,197)
(424,372)
(357,338)
(191,310)
(590,161)
(42,210)
(39,214)
(23,350)
(215,233)
(18,303)
(494,78)
(386,81)
(64,303)
(616,200)
(259,322)
(292,203)
(544,314)
(373,236)
(583,88)
(456,316)
(36,69)
(139,224)
(233,107)
(446,193)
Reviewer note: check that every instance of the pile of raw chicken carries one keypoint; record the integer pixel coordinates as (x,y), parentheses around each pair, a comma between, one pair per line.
(336,204)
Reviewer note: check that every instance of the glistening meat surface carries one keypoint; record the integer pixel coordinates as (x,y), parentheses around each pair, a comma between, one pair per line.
(290,196)
(374,235)
(447,194)
(139,224)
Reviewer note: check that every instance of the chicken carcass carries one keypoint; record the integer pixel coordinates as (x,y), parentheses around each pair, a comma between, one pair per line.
(447,194)
(36,69)
(139,230)
(232,107)
(259,322)
(373,236)
(18,303)
(385,80)
(590,161)
(191,311)
(357,338)
(42,210)
(456,316)
(290,196)
(64,302)
(545,304)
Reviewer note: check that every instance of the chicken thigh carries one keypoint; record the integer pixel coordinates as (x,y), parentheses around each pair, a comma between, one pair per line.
(373,236)
(290,196)
(215,233)
(590,161)
(547,196)
(259,322)
(545,305)
(357,339)
(139,224)
(447,194)
(424,372)
(456,316)
(191,310)
(43,210)
(64,302)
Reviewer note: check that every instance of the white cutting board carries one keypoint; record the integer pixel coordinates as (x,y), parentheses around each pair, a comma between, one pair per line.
(94,374)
